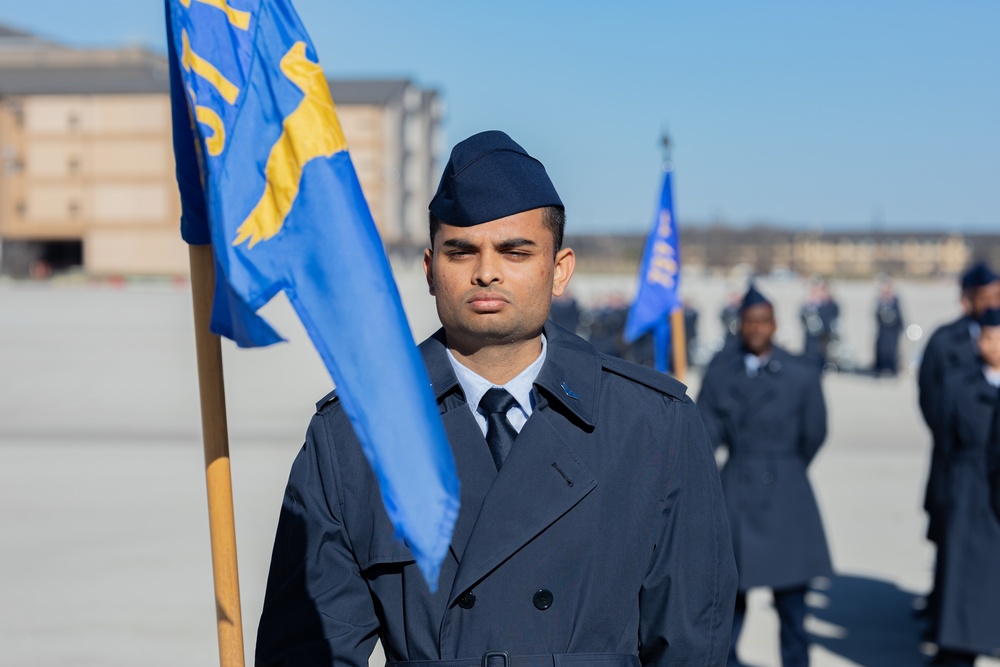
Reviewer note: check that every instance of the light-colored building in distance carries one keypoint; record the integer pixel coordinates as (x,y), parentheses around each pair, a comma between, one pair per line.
(87,170)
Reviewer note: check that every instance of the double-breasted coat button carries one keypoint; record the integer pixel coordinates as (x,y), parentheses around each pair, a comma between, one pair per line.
(467,601)
(766,477)
(542,599)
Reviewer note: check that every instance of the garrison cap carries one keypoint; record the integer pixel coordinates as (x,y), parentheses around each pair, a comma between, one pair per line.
(990,318)
(978,275)
(752,298)
(489,176)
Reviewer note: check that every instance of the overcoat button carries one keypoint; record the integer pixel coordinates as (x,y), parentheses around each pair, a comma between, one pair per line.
(766,478)
(542,599)
(467,601)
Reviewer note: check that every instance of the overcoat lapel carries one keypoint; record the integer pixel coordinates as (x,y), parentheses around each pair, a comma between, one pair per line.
(749,394)
(541,480)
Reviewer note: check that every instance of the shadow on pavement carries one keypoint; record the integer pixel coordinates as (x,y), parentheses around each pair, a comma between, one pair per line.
(874,622)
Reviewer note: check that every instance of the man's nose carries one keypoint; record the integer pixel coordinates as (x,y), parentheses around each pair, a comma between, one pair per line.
(488,270)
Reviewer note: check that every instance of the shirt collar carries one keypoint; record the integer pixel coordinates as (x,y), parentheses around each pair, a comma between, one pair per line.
(475,386)
(992,376)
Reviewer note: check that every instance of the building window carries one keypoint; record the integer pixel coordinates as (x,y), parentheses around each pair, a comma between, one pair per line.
(21,208)
(74,209)
(74,165)
(74,122)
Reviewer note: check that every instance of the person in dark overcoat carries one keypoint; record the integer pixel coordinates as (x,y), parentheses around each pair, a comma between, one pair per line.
(592,528)
(819,315)
(969,622)
(952,348)
(889,323)
(766,407)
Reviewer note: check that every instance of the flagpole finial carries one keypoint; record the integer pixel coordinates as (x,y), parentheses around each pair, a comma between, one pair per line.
(666,147)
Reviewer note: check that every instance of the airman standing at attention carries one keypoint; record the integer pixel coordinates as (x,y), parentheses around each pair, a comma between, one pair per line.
(969,622)
(592,530)
(952,348)
(766,407)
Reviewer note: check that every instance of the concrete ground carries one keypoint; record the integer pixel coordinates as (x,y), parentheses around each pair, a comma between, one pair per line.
(104,551)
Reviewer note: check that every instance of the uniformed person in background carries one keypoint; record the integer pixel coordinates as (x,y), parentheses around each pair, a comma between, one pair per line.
(952,348)
(766,407)
(889,322)
(592,528)
(969,622)
(819,315)
(730,319)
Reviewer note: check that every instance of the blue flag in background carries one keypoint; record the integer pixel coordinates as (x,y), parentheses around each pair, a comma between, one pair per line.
(265,177)
(659,276)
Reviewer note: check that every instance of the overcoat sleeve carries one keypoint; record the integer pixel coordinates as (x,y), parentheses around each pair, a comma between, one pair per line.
(317,606)
(709,405)
(687,597)
(929,380)
(945,444)
(812,425)
(993,464)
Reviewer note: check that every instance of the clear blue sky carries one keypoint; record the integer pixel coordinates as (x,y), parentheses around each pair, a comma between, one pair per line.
(827,114)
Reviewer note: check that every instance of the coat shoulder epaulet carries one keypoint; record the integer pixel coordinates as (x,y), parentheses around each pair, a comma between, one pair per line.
(647,377)
(326,401)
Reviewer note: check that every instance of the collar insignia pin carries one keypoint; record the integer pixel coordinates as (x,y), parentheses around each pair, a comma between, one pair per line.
(569,392)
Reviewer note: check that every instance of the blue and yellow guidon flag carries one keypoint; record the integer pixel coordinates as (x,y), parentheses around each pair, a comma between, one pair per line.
(659,275)
(265,177)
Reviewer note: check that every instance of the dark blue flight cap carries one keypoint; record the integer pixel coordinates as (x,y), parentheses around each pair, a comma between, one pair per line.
(752,298)
(990,318)
(978,275)
(489,176)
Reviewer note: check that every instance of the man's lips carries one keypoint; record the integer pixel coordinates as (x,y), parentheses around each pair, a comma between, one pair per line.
(487,302)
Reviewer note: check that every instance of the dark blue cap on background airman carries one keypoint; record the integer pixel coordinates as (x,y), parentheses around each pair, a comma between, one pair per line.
(978,275)
(990,318)
(752,298)
(489,176)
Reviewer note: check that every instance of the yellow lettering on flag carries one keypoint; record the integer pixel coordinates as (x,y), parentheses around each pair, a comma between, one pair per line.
(206,70)
(217,141)
(237,17)
(309,132)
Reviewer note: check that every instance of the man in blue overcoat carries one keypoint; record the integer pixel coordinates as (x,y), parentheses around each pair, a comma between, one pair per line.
(969,622)
(766,407)
(889,325)
(951,349)
(592,528)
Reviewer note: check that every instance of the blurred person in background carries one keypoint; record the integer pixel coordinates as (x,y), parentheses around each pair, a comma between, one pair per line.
(766,407)
(819,317)
(607,324)
(690,329)
(566,312)
(889,320)
(952,348)
(730,318)
(969,622)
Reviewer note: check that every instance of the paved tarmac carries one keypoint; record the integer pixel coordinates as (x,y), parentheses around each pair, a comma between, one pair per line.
(104,552)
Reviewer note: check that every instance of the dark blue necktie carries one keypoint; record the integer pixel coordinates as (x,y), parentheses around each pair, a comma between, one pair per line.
(500,434)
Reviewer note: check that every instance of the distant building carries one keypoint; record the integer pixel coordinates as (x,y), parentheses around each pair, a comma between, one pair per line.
(87,171)
(719,248)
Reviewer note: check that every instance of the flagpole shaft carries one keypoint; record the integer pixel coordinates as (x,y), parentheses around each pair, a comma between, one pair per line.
(679,344)
(215,436)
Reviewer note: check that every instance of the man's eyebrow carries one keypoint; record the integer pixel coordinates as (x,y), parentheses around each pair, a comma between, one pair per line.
(510,244)
(460,244)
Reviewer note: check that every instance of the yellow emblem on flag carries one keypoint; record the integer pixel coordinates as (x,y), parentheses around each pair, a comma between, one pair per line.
(309,132)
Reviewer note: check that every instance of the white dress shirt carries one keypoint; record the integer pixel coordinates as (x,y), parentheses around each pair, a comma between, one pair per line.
(475,387)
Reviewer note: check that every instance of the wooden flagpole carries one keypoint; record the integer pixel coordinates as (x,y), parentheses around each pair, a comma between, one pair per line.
(215,436)
(678,344)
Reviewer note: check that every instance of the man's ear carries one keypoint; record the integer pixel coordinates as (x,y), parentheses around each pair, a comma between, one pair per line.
(428,266)
(565,264)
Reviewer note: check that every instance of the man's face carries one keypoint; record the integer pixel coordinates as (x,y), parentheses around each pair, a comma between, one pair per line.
(989,346)
(493,283)
(757,327)
(981,299)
